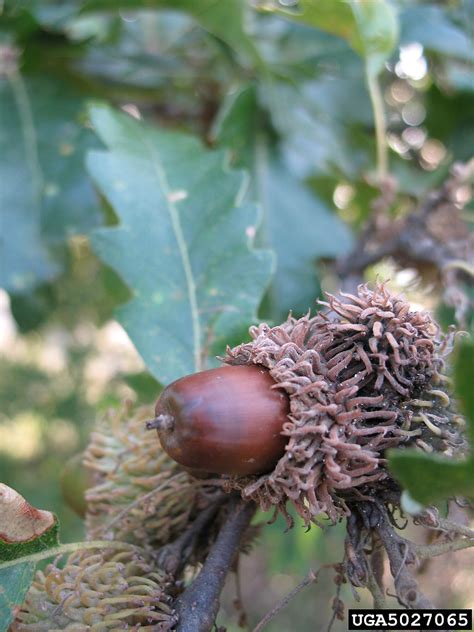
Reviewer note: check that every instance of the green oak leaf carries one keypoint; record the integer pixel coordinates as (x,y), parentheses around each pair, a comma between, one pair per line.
(183,244)
(429,478)
(24,531)
(370,28)
(464,380)
(433,27)
(224,20)
(16,575)
(297,225)
(14,584)
(45,196)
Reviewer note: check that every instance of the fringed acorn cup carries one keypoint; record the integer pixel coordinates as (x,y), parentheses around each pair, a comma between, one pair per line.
(363,375)
(96,592)
(138,494)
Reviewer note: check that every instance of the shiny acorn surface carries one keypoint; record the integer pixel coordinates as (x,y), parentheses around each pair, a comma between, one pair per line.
(223,421)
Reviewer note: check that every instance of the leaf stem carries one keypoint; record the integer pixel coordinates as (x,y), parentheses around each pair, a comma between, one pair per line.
(375,590)
(400,555)
(67,548)
(376,99)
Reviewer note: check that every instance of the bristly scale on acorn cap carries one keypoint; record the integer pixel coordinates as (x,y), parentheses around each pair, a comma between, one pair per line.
(363,375)
(99,590)
(137,493)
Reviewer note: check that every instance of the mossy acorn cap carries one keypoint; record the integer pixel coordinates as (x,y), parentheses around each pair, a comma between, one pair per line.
(363,375)
(98,591)
(139,494)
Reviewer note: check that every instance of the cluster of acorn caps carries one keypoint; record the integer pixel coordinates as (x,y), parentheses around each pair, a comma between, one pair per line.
(302,414)
(135,495)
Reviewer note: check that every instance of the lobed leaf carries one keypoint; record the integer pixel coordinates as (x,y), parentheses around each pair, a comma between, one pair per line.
(371,28)
(183,245)
(14,584)
(45,197)
(297,224)
(464,380)
(24,531)
(432,27)
(225,20)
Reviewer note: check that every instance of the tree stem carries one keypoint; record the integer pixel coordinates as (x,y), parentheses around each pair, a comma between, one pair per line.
(428,551)
(69,548)
(399,554)
(309,579)
(198,606)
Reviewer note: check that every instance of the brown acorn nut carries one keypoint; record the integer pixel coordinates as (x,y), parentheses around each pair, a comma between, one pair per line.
(223,421)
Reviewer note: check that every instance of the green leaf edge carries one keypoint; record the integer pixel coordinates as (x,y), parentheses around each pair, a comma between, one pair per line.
(14,550)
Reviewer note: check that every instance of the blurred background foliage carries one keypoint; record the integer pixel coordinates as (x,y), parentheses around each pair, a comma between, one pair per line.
(289,103)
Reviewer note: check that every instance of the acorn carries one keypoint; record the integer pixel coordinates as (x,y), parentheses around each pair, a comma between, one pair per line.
(136,493)
(304,412)
(365,374)
(224,421)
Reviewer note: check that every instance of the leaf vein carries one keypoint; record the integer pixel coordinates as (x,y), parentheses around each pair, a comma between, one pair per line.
(183,251)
